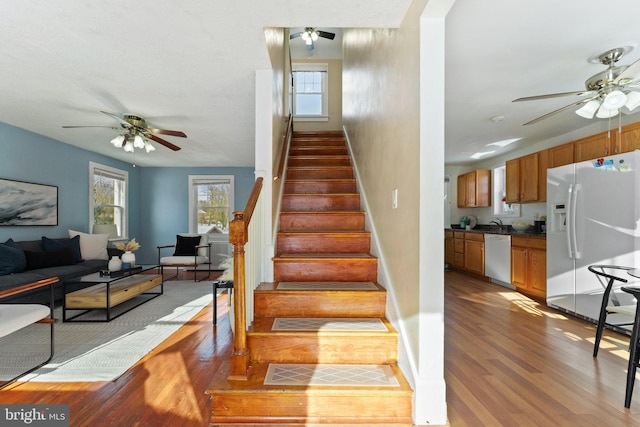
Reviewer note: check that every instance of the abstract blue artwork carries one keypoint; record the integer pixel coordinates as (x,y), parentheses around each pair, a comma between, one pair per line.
(25,203)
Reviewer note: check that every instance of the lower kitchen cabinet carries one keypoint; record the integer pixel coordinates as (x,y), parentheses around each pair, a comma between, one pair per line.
(448,247)
(458,249)
(529,265)
(474,253)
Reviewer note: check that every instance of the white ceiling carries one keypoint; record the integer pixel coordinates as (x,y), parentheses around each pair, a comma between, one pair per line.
(189,65)
(185,65)
(500,50)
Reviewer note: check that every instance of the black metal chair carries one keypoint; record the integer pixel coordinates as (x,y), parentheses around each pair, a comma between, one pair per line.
(610,303)
(220,284)
(634,347)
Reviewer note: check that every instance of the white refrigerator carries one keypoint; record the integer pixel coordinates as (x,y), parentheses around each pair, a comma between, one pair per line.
(592,218)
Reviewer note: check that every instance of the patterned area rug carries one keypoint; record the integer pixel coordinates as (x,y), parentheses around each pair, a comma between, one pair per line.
(330,375)
(328,324)
(103,351)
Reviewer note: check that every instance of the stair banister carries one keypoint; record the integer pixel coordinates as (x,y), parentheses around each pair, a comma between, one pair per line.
(238,237)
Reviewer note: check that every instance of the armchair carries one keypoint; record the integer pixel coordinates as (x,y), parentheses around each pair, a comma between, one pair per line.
(14,317)
(190,250)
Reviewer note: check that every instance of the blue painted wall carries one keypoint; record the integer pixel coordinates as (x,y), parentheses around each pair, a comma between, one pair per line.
(158,197)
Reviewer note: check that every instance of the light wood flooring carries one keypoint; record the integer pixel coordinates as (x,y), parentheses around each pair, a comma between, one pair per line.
(509,361)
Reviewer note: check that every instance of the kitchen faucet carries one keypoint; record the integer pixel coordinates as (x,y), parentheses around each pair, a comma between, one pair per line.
(498,222)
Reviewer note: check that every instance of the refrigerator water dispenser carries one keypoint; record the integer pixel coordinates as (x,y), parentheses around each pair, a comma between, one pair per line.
(559,217)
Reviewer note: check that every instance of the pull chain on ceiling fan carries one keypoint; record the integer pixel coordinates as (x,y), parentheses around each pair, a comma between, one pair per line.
(611,91)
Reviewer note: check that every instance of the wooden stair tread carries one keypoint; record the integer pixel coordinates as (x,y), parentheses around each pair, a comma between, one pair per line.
(323,256)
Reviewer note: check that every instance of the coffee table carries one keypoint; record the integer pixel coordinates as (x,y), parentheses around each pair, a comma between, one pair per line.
(105,293)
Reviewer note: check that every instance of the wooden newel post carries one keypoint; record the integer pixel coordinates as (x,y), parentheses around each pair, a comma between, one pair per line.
(238,237)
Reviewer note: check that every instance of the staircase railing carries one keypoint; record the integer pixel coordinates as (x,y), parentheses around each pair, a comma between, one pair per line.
(246,236)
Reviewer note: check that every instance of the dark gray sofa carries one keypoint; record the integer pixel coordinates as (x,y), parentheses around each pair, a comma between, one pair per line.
(63,272)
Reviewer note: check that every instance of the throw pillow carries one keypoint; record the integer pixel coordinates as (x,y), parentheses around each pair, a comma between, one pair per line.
(92,246)
(186,245)
(12,258)
(36,260)
(50,245)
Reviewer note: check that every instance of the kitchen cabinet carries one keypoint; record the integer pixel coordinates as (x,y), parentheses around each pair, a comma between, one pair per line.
(593,147)
(458,249)
(474,253)
(529,265)
(526,178)
(561,155)
(448,247)
(628,140)
(474,189)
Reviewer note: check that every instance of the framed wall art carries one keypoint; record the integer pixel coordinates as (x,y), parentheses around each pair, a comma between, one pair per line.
(26,203)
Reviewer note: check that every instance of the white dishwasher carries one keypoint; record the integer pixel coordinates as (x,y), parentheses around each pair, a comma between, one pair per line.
(497,258)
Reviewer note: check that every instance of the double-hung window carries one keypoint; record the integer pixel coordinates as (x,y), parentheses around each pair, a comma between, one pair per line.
(310,90)
(108,197)
(210,205)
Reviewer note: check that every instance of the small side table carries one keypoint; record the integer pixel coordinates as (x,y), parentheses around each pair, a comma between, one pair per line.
(220,284)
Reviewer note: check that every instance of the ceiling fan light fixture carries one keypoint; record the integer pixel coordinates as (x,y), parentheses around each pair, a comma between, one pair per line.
(589,109)
(614,100)
(633,101)
(117,141)
(605,113)
(128,147)
(138,142)
(148,147)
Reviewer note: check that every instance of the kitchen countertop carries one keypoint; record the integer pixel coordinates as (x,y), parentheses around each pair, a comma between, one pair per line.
(494,229)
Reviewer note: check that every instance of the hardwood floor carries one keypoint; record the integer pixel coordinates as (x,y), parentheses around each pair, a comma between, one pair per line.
(509,361)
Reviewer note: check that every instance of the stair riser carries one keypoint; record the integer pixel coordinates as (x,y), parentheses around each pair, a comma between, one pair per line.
(319,187)
(319,151)
(320,172)
(290,221)
(319,304)
(342,270)
(288,406)
(319,161)
(324,202)
(324,243)
(279,348)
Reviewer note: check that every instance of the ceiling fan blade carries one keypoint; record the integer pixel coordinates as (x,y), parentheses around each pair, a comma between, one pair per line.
(556,95)
(109,127)
(631,73)
(326,34)
(118,118)
(167,132)
(295,35)
(559,110)
(163,142)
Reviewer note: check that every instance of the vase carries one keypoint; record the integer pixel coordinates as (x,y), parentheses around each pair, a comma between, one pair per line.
(114,264)
(129,257)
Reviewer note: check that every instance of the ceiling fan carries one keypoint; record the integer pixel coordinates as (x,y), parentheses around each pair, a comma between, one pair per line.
(609,92)
(310,35)
(135,132)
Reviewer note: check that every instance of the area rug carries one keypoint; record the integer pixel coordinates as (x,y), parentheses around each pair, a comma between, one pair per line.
(86,352)
(330,375)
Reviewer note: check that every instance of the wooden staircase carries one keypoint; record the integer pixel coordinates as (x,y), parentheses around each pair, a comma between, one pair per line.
(324,316)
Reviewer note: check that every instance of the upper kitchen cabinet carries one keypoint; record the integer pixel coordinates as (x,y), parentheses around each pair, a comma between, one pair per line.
(526,178)
(561,155)
(592,147)
(628,139)
(474,189)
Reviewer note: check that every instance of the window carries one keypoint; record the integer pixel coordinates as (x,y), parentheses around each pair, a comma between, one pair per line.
(108,197)
(211,205)
(310,101)
(500,207)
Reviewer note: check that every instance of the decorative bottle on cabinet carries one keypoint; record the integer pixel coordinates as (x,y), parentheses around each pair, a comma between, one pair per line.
(115,264)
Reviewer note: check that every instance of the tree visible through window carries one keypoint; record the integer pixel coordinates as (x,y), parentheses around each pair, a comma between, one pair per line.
(108,199)
(211,204)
